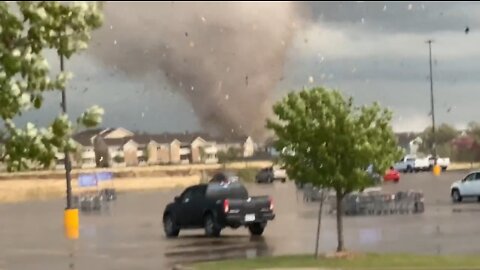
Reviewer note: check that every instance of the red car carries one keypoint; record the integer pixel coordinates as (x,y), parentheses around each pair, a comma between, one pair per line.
(391,175)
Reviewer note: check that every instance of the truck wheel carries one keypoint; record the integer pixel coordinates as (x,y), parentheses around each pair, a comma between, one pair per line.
(270,180)
(444,169)
(409,169)
(256,228)
(211,227)
(456,197)
(171,230)
(283,180)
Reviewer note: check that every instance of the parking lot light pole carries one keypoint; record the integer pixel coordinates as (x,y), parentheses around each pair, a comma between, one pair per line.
(436,168)
(71,219)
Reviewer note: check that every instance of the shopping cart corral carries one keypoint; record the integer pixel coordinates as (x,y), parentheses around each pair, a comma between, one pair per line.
(92,193)
(380,203)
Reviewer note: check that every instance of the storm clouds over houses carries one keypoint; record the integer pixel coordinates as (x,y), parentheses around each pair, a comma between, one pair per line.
(372,51)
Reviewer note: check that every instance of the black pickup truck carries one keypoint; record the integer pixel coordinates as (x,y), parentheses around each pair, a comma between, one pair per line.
(221,203)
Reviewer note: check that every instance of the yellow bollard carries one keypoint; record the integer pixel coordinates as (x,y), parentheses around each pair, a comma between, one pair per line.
(437,170)
(71,223)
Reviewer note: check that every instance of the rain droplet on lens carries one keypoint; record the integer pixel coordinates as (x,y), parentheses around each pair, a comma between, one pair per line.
(310,79)
(410,6)
(227,97)
(115,42)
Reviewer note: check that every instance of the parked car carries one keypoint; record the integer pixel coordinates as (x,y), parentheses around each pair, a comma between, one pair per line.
(391,175)
(223,202)
(411,163)
(469,186)
(442,162)
(270,174)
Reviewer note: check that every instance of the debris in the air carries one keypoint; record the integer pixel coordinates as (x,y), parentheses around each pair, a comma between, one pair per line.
(192,44)
(115,42)
(363,20)
(384,7)
(410,6)
(111,27)
(227,97)
(186,34)
(143,114)
(246,80)
(449,109)
(354,70)
(467,30)
(203,19)
(310,79)
(192,88)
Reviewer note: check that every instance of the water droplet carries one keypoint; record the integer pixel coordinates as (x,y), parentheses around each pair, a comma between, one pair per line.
(180,84)
(228,69)
(363,20)
(111,27)
(143,114)
(203,19)
(192,88)
(282,42)
(423,6)
(410,6)
(310,79)
(115,42)
(354,70)
(192,44)
(227,97)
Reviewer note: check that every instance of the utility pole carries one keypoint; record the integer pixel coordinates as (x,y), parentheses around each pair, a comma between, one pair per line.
(68,164)
(434,138)
(71,217)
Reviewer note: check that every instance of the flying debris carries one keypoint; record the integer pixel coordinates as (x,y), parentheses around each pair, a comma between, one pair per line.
(467,30)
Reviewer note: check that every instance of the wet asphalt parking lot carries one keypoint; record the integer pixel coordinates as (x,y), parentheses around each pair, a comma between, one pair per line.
(129,234)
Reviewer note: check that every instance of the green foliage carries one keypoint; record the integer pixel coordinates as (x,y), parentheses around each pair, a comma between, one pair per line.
(326,140)
(444,134)
(118,159)
(27,30)
(231,154)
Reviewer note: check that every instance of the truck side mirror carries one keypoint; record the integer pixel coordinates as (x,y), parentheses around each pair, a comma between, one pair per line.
(177,199)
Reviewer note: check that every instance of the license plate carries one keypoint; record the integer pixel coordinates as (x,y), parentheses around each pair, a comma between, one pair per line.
(249,217)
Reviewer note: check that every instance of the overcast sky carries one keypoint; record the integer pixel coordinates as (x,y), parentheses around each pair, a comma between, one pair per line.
(372,51)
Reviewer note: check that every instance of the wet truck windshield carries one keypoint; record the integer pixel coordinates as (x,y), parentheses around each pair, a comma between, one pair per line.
(226,191)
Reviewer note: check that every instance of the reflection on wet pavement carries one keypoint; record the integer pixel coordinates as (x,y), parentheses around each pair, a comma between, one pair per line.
(129,235)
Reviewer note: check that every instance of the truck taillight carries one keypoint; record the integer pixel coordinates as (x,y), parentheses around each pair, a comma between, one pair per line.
(271,204)
(226,206)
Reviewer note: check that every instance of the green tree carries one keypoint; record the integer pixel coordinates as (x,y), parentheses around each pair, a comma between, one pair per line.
(327,141)
(444,134)
(118,159)
(230,155)
(27,31)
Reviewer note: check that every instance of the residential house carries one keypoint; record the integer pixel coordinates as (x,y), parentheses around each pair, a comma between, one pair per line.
(409,141)
(244,144)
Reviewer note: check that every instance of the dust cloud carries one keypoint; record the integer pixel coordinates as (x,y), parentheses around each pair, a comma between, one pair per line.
(224,58)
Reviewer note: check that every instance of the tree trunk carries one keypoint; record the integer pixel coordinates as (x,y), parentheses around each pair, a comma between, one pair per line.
(322,199)
(340,245)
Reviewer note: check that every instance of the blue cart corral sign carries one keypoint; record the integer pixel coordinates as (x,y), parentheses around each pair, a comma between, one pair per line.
(87,180)
(104,176)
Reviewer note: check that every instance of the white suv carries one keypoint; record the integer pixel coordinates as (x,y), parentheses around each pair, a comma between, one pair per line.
(467,187)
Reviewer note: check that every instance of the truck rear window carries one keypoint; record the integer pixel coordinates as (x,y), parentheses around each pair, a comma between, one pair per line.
(226,191)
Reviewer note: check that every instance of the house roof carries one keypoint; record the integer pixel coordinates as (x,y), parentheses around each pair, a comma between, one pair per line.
(117,141)
(232,139)
(84,137)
